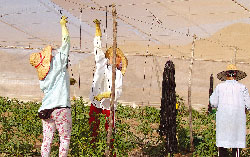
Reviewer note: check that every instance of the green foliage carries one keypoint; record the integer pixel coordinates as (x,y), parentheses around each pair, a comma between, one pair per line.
(205,134)
(20,127)
(21,131)
(135,129)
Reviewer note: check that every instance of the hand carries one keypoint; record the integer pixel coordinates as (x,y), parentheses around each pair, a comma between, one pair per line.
(98,31)
(99,97)
(63,20)
(97,22)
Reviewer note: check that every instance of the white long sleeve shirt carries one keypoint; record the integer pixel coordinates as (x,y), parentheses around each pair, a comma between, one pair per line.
(102,81)
(231,98)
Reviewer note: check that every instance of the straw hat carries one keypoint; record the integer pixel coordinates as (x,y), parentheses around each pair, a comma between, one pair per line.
(231,67)
(109,54)
(41,61)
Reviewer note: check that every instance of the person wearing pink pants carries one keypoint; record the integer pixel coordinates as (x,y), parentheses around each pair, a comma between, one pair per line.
(61,120)
(55,110)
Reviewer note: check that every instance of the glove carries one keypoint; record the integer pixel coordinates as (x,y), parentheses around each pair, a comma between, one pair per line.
(98,31)
(63,24)
(63,20)
(99,97)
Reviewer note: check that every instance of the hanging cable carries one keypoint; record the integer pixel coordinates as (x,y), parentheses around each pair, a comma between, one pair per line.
(242,6)
(20,30)
(102,8)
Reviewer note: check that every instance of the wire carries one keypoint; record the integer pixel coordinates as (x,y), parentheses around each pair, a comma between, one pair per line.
(103,8)
(58,12)
(243,7)
(120,17)
(19,29)
(178,32)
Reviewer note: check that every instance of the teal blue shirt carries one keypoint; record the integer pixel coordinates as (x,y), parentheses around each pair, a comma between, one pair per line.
(55,86)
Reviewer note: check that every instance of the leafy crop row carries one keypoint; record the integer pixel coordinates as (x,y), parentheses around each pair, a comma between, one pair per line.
(136,131)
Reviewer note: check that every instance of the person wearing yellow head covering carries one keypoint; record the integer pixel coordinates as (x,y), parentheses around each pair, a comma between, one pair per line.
(100,93)
(55,110)
(230,98)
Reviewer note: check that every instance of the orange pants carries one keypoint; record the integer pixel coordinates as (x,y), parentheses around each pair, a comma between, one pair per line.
(94,111)
(93,117)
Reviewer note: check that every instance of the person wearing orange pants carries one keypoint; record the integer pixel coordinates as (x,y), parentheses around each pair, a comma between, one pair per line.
(94,120)
(100,94)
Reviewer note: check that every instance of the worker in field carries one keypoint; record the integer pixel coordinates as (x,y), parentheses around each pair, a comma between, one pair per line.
(55,110)
(100,93)
(230,98)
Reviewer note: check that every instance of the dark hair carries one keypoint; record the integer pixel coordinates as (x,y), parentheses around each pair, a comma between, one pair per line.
(231,73)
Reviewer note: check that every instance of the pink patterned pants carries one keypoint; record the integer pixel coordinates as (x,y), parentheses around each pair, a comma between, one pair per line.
(61,120)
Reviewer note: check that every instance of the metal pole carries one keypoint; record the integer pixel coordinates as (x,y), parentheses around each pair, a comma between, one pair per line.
(81,29)
(189,94)
(107,152)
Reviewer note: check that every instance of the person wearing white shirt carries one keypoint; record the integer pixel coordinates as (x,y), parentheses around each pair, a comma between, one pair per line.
(100,93)
(230,98)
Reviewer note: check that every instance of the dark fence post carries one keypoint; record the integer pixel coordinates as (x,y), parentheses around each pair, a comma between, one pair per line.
(167,128)
(210,92)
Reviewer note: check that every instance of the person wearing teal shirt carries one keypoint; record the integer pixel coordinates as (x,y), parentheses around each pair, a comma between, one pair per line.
(55,110)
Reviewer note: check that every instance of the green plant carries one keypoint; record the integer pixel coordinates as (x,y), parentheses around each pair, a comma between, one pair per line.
(136,129)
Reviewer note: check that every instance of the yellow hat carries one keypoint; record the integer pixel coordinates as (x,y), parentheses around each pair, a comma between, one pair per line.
(109,54)
(41,61)
(231,67)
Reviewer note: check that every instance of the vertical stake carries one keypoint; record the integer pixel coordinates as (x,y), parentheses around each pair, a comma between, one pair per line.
(81,29)
(210,93)
(108,149)
(106,27)
(235,53)
(189,94)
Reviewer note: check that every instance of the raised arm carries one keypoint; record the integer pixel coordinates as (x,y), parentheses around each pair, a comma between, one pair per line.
(63,22)
(98,31)
(99,55)
(100,61)
(64,49)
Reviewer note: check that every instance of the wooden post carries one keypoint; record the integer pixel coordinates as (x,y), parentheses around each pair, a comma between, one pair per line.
(235,52)
(107,152)
(210,93)
(189,95)
(106,26)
